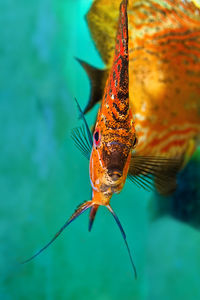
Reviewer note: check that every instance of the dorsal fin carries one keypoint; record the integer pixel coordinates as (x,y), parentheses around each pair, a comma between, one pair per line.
(117,87)
(118,77)
(121,46)
(97,79)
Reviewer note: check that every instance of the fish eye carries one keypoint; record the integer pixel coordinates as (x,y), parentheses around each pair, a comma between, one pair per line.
(135,141)
(96,137)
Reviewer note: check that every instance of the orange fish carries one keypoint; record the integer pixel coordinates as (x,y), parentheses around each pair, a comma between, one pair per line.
(114,135)
(112,158)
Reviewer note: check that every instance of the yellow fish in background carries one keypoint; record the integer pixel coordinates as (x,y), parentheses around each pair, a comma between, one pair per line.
(164,73)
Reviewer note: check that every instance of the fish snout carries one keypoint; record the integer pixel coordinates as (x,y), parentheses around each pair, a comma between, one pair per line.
(115,174)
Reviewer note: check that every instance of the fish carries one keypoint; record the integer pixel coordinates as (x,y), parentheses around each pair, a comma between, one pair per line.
(113,138)
(110,149)
(164,73)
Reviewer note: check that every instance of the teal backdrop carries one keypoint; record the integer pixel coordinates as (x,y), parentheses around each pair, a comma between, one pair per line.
(43,177)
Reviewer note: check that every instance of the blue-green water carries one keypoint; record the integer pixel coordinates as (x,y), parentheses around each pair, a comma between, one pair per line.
(44,177)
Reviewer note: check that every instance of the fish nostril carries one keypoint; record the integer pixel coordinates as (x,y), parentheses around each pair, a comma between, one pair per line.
(115,175)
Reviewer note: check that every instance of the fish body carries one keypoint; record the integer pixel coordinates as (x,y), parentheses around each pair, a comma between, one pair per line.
(164,70)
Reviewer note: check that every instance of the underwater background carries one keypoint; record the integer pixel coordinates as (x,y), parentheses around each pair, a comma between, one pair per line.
(44,177)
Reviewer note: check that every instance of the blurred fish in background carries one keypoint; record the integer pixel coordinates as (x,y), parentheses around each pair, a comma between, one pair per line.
(164,74)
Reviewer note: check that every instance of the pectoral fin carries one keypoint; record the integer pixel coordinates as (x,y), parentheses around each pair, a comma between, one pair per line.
(152,171)
(98,79)
(165,181)
(82,136)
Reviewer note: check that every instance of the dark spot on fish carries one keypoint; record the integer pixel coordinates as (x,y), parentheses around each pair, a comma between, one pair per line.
(114,158)
(121,111)
(174,113)
(120,120)
(135,142)
(103,187)
(122,96)
(96,136)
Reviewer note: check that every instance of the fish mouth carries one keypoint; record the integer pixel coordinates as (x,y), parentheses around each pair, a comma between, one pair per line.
(112,182)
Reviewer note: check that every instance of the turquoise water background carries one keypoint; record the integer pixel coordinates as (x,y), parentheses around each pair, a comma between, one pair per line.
(44,177)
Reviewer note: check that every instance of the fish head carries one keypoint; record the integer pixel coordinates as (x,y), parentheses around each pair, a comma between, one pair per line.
(110,160)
